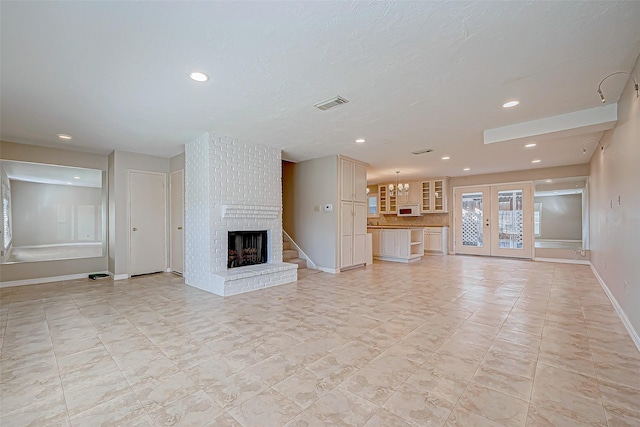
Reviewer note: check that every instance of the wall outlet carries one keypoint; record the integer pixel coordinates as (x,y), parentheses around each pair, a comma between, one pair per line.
(627,287)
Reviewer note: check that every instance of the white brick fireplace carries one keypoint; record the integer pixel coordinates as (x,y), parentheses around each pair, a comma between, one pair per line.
(232,186)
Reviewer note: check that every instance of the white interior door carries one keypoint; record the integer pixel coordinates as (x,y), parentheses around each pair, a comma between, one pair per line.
(147,222)
(494,220)
(177,221)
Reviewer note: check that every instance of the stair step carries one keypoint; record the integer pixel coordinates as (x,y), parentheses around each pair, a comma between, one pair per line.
(288,254)
(302,263)
(286,245)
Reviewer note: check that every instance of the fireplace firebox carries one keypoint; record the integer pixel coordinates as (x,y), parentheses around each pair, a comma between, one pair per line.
(247,248)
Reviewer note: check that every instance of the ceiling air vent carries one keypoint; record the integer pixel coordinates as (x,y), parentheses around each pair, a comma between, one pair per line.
(426,150)
(330,103)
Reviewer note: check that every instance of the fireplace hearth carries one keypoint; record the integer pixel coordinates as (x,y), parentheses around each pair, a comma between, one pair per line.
(247,248)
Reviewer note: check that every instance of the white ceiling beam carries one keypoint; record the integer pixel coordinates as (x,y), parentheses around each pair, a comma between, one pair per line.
(576,123)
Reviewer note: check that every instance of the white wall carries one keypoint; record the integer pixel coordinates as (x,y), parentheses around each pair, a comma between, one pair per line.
(306,185)
(615,227)
(52,156)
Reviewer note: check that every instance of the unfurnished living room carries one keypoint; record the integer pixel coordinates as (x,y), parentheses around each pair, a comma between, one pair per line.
(337,213)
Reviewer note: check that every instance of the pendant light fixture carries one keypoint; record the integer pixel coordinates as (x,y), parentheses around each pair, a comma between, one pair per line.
(400,189)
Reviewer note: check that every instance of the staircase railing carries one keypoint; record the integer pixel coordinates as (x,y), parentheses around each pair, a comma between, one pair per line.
(301,254)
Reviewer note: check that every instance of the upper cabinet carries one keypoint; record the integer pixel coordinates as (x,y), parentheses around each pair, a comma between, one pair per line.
(354,181)
(387,202)
(434,195)
(413,197)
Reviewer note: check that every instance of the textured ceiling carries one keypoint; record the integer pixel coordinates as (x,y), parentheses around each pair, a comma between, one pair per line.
(417,75)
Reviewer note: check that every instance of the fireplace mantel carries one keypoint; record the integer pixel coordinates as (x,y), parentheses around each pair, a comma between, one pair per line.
(250,211)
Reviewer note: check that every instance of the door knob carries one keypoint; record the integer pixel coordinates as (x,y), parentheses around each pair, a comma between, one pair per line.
(135,229)
(179,228)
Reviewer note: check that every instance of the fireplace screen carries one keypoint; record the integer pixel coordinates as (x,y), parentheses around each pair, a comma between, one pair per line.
(247,248)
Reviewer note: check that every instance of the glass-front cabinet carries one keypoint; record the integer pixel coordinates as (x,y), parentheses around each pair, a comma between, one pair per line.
(434,196)
(387,201)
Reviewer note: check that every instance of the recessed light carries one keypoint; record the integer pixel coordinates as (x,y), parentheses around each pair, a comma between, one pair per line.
(446,158)
(76,177)
(510,104)
(360,141)
(466,169)
(536,161)
(531,145)
(548,180)
(198,76)
(64,136)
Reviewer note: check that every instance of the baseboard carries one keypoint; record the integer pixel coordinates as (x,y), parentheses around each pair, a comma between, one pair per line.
(326,270)
(40,280)
(563,261)
(625,320)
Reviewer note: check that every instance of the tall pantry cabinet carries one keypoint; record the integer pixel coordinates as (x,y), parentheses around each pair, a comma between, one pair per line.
(353,212)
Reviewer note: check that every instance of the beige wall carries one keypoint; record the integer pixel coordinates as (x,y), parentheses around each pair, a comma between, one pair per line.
(514,176)
(116,164)
(176,163)
(615,227)
(306,185)
(561,217)
(53,156)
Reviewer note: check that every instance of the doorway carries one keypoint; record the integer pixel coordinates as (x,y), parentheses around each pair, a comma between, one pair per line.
(147,222)
(494,220)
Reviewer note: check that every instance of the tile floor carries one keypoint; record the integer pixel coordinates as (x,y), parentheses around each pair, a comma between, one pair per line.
(455,341)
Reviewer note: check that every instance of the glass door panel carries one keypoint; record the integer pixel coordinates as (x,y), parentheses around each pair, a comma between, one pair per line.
(513,216)
(510,219)
(471,219)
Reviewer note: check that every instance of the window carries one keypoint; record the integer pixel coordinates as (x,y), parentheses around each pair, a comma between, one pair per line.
(373,206)
(537,214)
(6,213)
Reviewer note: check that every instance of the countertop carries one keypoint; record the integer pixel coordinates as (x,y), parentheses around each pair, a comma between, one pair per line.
(401,226)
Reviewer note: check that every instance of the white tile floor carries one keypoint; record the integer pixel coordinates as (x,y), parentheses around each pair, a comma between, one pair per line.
(456,341)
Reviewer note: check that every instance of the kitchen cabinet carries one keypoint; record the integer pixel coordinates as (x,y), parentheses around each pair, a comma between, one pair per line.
(435,239)
(353,213)
(399,244)
(375,241)
(412,196)
(388,203)
(353,186)
(434,195)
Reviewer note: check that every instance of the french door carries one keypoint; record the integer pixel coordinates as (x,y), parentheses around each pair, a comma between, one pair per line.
(494,220)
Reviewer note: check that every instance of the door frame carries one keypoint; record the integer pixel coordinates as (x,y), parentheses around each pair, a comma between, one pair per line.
(164,212)
(171,219)
(492,249)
